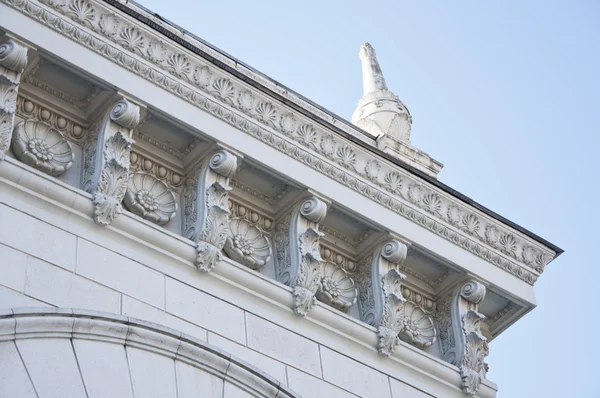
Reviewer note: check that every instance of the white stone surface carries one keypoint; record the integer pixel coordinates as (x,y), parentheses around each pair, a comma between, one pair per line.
(11,299)
(286,346)
(120,273)
(205,310)
(353,376)
(268,365)
(13,265)
(74,292)
(403,390)
(52,367)
(104,369)
(14,381)
(309,386)
(233,391)
(151,375)
(37,238)
(137,309)
(194,383)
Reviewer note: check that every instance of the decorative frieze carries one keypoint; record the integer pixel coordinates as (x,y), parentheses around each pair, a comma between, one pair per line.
(28,109)
(39,145)
(141,163)
(299,262)
(206,210)
(107,160)
(13,58)
(462,342)
(185,75)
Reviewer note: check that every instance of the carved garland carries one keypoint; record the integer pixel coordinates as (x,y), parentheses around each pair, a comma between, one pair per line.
(164,55)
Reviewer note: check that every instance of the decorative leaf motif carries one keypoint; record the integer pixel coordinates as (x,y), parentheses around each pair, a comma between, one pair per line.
(470,224)
(178,65)
(416,193)
(109,24)
(246,101)
(372,169)
(132,39)
(307,135)
(266,113)
(288,123)
(202,76)
(508,244)
(157,51)
(432,203)
(393,182)
(346,156)
(454,214)
(223,89)
(81,11)
(328,145)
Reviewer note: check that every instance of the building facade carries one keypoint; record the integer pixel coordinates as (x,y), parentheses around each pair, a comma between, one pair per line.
(174,223)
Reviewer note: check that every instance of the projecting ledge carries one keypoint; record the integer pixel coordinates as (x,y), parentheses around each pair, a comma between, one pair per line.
(66,207)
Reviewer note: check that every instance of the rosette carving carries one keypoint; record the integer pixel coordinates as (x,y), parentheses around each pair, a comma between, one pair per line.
(247,244)
(337,288)
(206,210)
(150,198)
(299,262)
(13,58)
(39,145)
(462,342)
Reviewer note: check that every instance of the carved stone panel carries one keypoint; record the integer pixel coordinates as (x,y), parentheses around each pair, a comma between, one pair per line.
(150,198)
(247,244)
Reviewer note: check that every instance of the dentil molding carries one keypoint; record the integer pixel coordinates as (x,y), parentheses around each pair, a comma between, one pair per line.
(96,26)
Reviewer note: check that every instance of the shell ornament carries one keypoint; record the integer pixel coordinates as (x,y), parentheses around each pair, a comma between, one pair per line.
(38,145)
(337,288)
(247,244)
(150,198)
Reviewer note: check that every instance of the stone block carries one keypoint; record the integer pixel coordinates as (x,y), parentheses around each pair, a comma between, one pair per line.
(11,299)
(56,286)
(204,310)
(104,368)
(270,366)
(52,367)
(14,381)
(152,375)
(353,376)
(120,273)
(309,386)
(193,382)
(285,346)
(12,264)
(233,391)
(402,390)
(136,309)
(37,238)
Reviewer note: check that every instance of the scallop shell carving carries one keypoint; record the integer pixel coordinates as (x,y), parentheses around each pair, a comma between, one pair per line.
(337,288)
(39,145)
(247,244)
(417,326)
(150,198)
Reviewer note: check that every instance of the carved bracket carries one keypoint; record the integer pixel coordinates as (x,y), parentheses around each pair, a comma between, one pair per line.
(206,212)
(462,342)
(13,59)
(107,160)
(299,262)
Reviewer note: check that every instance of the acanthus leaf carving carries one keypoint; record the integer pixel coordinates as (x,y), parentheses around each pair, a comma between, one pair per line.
(206,210)
(462,343)
(107,160)
(13,59)
(299,262)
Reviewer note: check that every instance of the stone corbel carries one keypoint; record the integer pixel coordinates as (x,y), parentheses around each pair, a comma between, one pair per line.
(463,343)
(299,262)
(107,160)
(206,210)
(13,59)
(380,294)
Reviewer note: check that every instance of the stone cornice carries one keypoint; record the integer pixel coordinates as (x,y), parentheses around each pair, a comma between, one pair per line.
(131,45)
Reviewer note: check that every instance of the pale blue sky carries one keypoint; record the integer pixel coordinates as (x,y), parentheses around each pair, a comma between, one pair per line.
(505,94)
